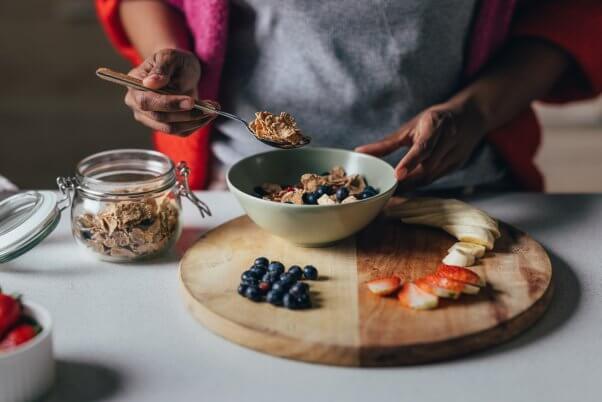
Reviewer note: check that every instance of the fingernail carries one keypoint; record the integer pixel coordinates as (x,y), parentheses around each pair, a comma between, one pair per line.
(186,104)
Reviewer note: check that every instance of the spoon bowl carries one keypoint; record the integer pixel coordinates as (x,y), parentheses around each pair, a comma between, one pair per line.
(274,144)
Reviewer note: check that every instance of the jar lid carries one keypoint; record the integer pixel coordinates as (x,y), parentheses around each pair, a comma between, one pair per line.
(25,220)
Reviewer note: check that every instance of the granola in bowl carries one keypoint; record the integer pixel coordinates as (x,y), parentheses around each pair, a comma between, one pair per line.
(129,229)
(279,129)
(329,188)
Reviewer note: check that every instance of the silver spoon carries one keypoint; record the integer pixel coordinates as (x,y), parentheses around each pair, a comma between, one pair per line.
(131,82)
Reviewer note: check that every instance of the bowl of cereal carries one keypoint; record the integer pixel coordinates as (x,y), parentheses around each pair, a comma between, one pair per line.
(312,196)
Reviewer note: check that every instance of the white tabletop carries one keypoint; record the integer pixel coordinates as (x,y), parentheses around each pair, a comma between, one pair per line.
(122,332)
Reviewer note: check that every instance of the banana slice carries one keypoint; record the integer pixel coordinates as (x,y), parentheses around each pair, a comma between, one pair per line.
(476,250)
(471,234)
(459,259)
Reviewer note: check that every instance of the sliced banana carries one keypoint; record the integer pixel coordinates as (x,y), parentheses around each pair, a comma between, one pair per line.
(476,250)
(471,218)
(459,259)
(471,234)
(463,221)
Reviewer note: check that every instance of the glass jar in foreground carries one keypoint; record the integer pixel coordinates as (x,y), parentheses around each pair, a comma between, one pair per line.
(126,203)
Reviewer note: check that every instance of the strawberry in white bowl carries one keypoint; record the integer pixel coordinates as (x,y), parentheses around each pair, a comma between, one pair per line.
(26,357)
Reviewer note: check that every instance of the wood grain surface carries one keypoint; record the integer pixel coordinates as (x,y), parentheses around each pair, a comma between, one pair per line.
(349,326)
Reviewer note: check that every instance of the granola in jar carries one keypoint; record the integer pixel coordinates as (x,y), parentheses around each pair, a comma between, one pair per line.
(129,229)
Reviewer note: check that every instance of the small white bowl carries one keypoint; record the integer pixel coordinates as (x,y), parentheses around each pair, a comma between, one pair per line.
(27,372)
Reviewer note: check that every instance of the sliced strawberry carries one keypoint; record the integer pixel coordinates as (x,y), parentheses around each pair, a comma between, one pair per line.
(446,287)
(460,274)
(440,286)
(384,286)
(412,296)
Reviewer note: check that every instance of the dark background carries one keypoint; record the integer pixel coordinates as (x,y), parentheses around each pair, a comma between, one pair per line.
(54,111)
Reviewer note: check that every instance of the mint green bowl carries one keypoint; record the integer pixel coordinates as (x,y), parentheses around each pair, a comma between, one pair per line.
(309,225)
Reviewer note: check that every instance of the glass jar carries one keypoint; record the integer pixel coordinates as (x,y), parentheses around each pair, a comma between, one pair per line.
(125,204)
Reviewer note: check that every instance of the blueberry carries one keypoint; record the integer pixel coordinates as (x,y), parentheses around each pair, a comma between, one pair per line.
(342,193)
(275,297)
(270,277)
(296,302)
(289,301)
(248,275)
(287,278)
(371,189)
(295,271)
(242,289)
(250,282)
(259,271)
(281,286)
(253,293)
(276,266)
(365,194)
(303,300)
(261,261)
(368,192)
(323,190)
(310,198)
(299,288)
(310,272)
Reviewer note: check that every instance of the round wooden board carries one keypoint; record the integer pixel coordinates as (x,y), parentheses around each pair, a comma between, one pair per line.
(349,326)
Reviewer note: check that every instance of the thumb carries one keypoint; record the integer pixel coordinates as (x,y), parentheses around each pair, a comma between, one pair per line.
(163,65)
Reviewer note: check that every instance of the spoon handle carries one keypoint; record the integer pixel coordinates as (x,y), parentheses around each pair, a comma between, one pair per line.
(135,83)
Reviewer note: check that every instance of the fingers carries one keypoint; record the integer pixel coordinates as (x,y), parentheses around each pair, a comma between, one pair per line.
(152,102)
(424,140)
(391,143)
(177,117)
(180,127)
(421,176)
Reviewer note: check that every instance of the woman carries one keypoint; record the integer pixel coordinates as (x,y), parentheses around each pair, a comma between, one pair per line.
(441,89)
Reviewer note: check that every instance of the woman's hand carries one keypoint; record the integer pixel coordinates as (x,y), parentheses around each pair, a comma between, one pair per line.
(443,137)
(439,140)
(175,70)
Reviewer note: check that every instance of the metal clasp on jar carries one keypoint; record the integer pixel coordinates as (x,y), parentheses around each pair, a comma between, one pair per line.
(183,171)
(67,185)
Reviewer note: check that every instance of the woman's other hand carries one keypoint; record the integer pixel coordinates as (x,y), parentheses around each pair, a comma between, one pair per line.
(175,70)
(439,140)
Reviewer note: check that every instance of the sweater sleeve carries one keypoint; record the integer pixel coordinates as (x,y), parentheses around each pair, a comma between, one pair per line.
(576,27)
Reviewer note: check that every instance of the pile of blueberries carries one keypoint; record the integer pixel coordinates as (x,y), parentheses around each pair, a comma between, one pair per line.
(268,281)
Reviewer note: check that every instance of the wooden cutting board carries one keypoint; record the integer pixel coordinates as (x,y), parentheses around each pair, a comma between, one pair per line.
(349,326)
